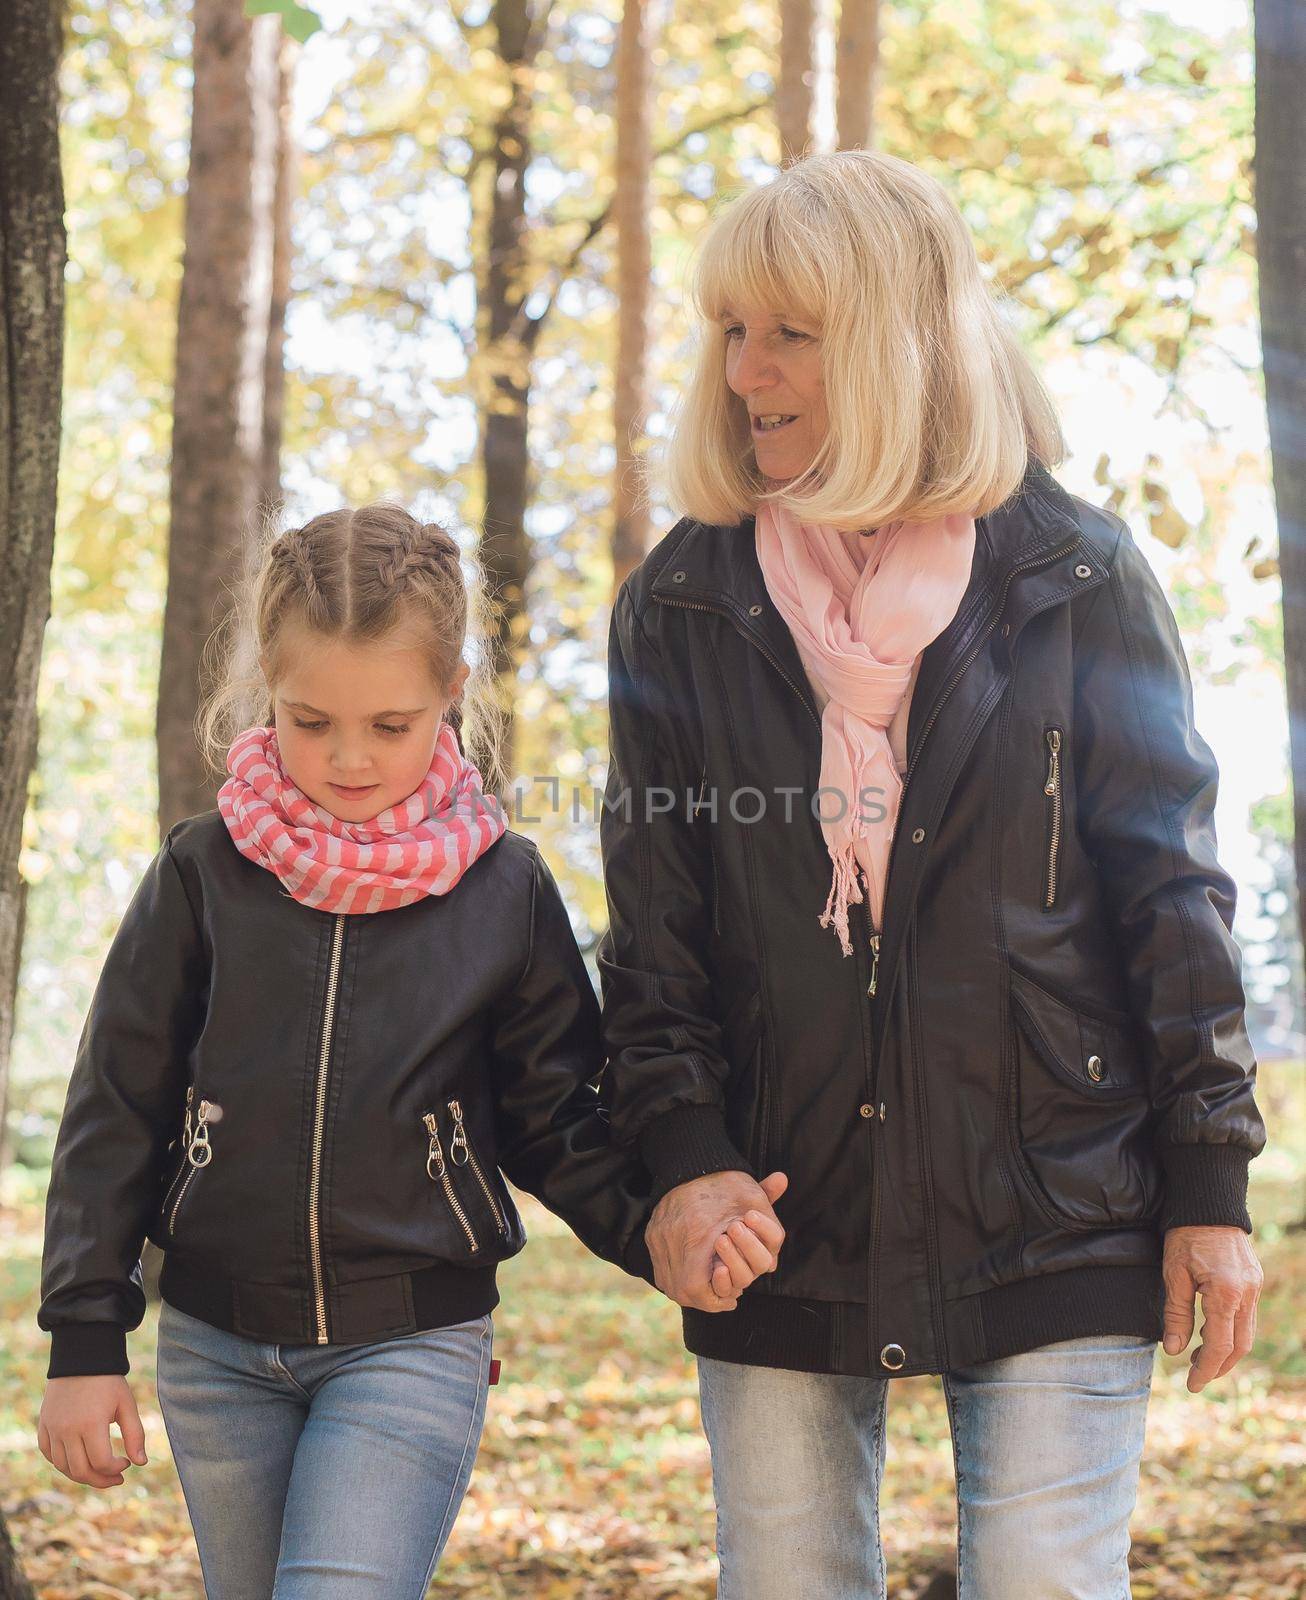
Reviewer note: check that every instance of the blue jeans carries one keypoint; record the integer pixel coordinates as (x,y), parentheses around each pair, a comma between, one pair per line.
(326,1471)
(1046,1446)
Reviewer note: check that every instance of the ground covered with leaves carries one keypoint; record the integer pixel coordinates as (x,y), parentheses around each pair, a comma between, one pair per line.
(593,1479)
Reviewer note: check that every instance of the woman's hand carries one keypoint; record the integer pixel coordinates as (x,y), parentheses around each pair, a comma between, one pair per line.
(73,1430)
(710,1238)
(1219,1264)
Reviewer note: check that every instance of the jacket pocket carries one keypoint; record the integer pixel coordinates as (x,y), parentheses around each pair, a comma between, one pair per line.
(469,1194)
(747,1090)
(1081,1121)
(463,1154)
(197,1146)
(700,803)
(1052,828)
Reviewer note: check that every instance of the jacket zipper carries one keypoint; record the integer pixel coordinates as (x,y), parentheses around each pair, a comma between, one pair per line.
(199,1151)
(319,1125)
(460,1141)
(185,1146)
(438,1172)
(1052,788)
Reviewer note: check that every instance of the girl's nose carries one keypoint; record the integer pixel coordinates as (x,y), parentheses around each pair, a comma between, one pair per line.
(348,761)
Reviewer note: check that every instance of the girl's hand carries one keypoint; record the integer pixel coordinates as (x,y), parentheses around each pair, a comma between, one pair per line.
(73,1430)
(749,1247)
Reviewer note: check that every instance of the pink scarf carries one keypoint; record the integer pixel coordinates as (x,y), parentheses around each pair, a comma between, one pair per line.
(421,846)
(861,609)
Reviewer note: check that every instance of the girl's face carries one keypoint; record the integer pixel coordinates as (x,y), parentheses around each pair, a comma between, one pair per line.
(773,363)
(357,723)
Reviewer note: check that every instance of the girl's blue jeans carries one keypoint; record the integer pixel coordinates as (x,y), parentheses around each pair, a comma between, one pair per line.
(1046,1446)
(322,1472)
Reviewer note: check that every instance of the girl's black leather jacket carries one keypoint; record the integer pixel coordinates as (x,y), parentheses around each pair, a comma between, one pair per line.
(992,1111)
(308,1112)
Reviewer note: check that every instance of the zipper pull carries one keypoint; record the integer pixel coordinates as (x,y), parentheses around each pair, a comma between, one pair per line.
(1054,760)
(702,785)
(200,1152)
(186,1130)
(875,963)
(459,1140)
(435,1154)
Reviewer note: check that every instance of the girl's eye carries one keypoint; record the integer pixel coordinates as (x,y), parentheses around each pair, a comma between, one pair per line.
(386,728)
(309,727)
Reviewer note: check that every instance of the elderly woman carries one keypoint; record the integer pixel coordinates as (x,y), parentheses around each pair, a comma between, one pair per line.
(915,909)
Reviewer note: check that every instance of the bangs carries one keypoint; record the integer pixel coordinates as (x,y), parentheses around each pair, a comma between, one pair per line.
(756,256)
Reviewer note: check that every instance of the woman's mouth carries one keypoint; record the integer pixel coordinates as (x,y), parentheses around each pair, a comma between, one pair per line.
(771,422)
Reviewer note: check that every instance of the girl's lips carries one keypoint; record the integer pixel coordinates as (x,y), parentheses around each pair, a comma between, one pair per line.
(355,793)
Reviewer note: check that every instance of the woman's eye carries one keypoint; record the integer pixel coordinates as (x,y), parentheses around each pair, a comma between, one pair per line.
(733,332)
(385,727)
(794,336)
(309,727)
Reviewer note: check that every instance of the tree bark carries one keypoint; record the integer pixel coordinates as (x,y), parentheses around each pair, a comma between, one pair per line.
(506,350)
(223,325)
(632,203)
(13,1583)
(795,85)
(856,59)
(1280,28)
(32,254)
(283,254)
(33,250)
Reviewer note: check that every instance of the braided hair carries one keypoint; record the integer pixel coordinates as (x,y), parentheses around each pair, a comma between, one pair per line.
(356,575)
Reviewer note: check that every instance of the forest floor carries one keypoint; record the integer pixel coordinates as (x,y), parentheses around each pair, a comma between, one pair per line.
(593,1479)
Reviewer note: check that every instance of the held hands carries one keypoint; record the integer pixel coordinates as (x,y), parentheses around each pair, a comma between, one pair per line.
(710,1238)
(73,1430)
(1219,1264)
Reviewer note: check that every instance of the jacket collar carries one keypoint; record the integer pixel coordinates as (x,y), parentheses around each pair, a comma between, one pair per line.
(717,568)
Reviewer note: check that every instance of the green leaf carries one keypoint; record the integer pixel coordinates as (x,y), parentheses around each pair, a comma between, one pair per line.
(299,22)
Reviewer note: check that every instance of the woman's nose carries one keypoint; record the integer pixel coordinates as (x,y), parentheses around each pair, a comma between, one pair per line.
(750,370)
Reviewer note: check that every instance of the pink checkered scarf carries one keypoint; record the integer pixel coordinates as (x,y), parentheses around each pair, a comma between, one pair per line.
(421,846)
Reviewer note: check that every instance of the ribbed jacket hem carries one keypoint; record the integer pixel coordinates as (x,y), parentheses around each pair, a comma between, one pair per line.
(357,1313)
(834,1336)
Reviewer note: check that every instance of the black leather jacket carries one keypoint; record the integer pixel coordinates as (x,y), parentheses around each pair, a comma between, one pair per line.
(991,1111)
(308,1112)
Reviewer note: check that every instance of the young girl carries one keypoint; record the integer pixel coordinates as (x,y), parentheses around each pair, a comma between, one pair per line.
(336,1008)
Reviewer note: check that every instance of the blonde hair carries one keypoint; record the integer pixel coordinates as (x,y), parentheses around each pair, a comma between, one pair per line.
(355,575)
(933,407)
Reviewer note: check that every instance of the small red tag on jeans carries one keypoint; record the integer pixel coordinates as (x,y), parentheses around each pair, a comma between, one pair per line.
(495,1365)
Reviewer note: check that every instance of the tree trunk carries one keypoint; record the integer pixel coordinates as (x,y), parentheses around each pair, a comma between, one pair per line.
(506,350)
(1281,251)
(857,55)
(13,1584)
(631,204)
(794,90)
(283,254)
(32,255)
(223,326)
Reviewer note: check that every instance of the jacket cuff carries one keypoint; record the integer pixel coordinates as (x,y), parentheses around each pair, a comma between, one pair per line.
(687,1142)
(1205,1186)
(637,1260)
(87,1350)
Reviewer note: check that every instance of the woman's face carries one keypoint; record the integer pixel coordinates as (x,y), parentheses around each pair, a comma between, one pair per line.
(356,722)
(773,363)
